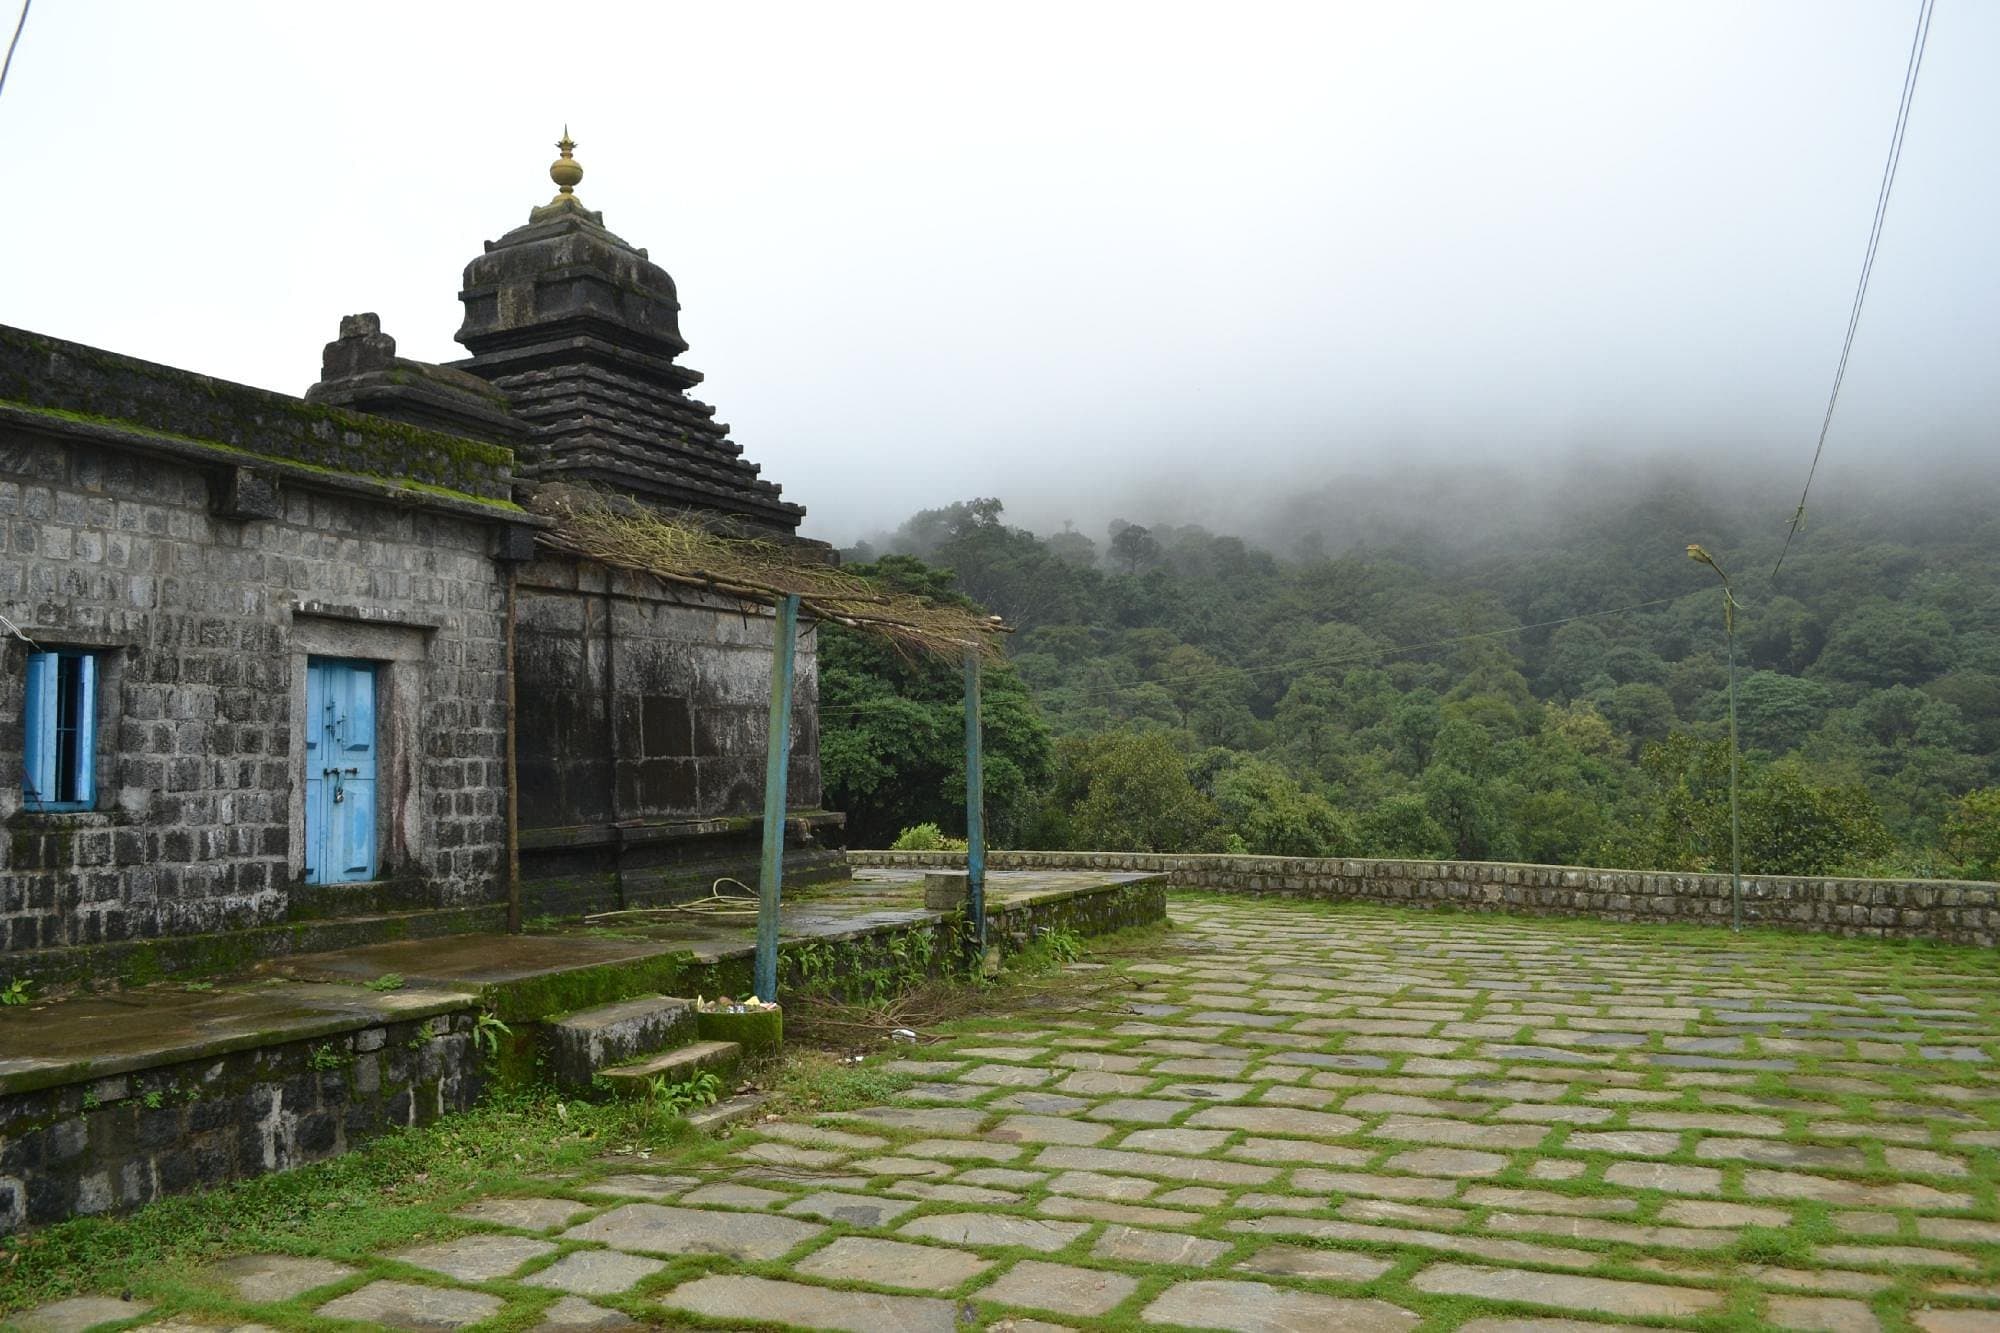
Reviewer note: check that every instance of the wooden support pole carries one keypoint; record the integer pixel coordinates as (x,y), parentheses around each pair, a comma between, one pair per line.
(777,766)
(975,801)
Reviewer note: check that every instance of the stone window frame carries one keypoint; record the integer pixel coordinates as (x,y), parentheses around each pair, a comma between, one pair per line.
(109,656)
(400,649)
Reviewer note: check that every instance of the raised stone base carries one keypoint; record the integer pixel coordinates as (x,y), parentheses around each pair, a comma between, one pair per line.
(113,1143)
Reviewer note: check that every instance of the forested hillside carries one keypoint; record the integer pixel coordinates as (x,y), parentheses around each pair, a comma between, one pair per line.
(1549,690)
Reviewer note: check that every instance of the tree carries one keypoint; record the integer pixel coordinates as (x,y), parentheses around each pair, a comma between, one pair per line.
(1271,813)
(1972,834)
(1784,635)
(1415,722)
(1075,548)
(1465,808)
(1776,712)
(1403,826)
(1790,825)
(1126,791)
(1795,827)
(1976,696)
(1133,546)
(1884,643)
(892,730)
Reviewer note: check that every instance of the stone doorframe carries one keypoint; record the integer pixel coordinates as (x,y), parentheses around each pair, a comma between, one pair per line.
(401,650)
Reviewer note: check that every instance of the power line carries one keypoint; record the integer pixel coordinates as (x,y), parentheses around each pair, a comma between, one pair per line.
(9,63)
(1337,660)
(1910,72)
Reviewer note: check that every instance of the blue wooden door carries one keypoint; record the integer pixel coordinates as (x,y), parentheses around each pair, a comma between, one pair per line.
(340,771)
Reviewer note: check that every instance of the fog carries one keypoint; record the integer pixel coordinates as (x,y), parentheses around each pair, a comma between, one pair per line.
(1171,263)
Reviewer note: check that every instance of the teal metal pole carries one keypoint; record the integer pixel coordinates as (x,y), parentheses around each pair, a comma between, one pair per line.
(777,765)
(1735,825)
(975,801)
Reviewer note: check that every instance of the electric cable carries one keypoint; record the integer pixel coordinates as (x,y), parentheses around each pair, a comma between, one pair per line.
(1910,71)
(16,41)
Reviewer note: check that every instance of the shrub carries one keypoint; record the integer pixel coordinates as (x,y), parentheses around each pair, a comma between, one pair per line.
(926,838)
(1972,834)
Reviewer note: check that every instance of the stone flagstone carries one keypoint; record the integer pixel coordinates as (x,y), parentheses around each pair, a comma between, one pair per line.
(1144,1246)
(524,1214)
(731,1296)
(1533,1325)
(1302,1261)
(994,1229)
(1201,1171)
(653,1229)
(856,1210)
(261,1279)
(408,1305)
(595,1272)
(575,1312)
(78,1313)
(1059,1287)
(1049,1129)
(1254,1307)
(1822,1314)
(476,1258)
(1610,1296)
(892,1263)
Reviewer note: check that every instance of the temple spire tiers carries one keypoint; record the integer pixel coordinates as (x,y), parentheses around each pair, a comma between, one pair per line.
(581,332)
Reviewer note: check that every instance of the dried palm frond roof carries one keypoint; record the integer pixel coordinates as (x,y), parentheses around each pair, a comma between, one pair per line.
(679,549)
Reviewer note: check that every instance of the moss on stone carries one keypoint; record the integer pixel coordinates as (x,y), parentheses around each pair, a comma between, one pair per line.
(250,457)
(534,998)
(757,1031)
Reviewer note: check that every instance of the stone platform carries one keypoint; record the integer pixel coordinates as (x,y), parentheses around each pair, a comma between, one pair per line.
(530,976)
(108,1101)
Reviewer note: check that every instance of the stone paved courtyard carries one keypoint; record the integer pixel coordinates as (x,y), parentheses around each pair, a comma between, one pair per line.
(1289,1117)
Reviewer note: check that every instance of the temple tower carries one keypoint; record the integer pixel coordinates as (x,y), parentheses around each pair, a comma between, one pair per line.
(581,332)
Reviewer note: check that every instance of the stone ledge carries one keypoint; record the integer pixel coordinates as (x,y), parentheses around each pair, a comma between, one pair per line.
(139,961)
(92,1038)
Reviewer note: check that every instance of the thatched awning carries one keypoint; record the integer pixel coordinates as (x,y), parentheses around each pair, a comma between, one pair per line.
(680,550)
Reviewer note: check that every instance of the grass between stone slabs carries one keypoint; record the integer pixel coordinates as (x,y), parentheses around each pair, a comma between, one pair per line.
(1086,1011)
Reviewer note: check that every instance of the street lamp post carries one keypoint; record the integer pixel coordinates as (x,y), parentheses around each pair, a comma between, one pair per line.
(1700,556)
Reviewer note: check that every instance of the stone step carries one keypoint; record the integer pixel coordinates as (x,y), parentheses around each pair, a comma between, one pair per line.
(586,1043)
(677,1066)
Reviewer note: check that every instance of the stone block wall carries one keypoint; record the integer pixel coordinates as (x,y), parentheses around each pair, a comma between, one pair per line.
(115,1143)
(1942,910)
(641,702)
(644,711)
(202,624)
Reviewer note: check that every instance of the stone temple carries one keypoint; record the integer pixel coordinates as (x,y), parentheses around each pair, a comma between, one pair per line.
(258,648)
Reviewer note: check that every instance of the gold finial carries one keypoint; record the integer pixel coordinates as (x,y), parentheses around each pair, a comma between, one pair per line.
(565,171)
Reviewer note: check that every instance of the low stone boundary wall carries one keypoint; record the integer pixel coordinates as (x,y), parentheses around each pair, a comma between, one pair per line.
(1948,911)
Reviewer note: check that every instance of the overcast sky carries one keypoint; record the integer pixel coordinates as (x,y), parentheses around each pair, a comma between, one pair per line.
(1093,258)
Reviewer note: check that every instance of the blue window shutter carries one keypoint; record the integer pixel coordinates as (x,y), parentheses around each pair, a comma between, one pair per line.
(86,731)
(38,777)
